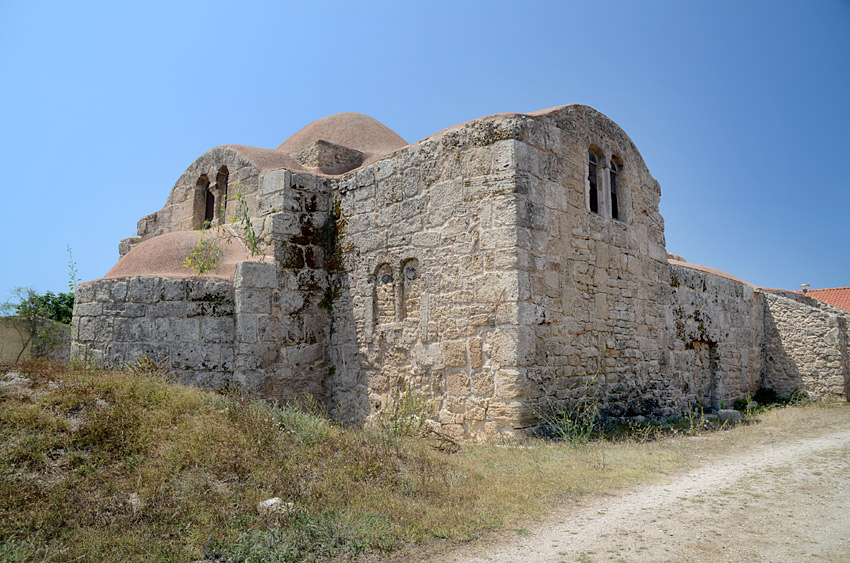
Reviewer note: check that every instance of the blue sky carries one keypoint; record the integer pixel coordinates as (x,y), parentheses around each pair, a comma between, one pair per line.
(740,108)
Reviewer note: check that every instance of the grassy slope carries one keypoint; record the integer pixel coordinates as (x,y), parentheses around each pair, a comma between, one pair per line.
(108,465)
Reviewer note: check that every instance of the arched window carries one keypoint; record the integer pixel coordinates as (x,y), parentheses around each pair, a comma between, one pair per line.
(221,190)
(202,203)
(384,295)
(615,210)
(411,290)
(593,192)
(209,207)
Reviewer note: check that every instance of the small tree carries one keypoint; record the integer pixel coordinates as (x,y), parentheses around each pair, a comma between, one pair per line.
(29,314)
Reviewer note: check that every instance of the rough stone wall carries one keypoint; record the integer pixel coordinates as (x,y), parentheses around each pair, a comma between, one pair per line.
(426,295)
(186,201)
(188,321)
(593,316)
(717,338)
(284,333)
(805,346)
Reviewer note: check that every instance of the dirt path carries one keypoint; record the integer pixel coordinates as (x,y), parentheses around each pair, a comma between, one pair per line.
(778,502)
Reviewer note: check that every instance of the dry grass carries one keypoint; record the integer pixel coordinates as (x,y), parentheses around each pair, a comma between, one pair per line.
(109,465)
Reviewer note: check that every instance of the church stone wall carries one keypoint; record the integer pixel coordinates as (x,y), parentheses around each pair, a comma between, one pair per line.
(424,295)
(594,317)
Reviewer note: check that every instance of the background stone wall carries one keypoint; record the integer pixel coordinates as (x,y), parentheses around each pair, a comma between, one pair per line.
(717,336)
(805,346)
(188,321)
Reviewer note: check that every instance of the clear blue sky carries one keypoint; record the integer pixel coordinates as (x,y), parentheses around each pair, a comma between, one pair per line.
(741,109)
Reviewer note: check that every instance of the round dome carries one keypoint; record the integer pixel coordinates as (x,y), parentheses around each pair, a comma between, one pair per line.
(348,129)
(164,255)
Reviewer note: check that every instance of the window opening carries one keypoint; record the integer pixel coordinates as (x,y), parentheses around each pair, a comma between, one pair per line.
(209,207)
(221,188)
(200,209)
(591,179)
(615,212)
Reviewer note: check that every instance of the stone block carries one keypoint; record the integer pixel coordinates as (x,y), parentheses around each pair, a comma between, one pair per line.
(95,329)
(253,301)
(176,329)
(85,292)
(144,290)
(502,286)
(304,354)
(458,383)
(255,275)
(196,357)
(133,330)
(173,290)
(274,181)
(508,384)
(247,327)
(154,351)
(454,353)
(119,290)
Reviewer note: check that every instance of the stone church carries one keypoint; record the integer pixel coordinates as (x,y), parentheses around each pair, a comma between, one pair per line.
(490,266)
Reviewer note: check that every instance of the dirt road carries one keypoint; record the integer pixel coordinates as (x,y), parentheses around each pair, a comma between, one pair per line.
(777,502)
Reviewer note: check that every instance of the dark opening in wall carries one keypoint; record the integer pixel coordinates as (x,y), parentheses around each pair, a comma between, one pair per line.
(221,189)
(593,193)
(202,204)
(615,209)
(209,207)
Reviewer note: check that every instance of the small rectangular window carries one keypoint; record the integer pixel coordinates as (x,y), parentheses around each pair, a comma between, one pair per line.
(615,213)
(591,179)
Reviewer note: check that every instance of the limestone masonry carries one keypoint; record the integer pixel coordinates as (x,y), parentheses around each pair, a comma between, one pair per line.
(490,266)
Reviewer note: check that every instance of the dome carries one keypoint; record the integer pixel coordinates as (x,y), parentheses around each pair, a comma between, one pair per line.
(163,256)
(349,129)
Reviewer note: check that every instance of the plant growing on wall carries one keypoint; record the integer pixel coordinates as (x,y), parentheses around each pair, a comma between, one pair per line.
(204,257)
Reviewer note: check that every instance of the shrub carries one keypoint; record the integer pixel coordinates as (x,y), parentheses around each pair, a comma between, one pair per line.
(573,423)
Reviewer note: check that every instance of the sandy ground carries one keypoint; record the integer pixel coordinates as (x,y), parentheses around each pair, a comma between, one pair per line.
(777,502)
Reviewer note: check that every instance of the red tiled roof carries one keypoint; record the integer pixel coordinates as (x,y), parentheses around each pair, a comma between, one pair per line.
(835,296)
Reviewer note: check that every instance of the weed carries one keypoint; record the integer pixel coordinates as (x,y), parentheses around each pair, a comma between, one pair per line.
(572,423)
(405,411)
(114,465)
(204,257)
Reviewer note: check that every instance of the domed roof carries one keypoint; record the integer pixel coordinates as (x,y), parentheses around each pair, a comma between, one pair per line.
(163,256)
(348,129)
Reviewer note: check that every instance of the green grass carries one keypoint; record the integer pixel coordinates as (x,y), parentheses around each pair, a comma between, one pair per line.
(124,465)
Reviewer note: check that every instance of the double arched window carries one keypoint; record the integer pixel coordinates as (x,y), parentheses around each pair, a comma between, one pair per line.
(211,199)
